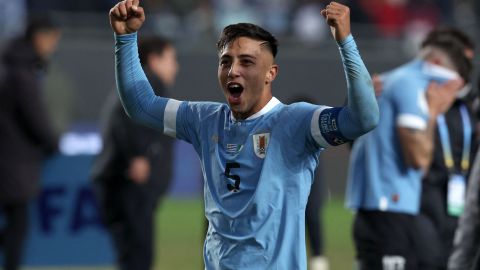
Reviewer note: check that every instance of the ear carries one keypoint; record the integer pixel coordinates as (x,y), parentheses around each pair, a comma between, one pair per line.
(271,74)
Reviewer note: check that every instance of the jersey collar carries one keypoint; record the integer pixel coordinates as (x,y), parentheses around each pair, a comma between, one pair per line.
(270,105)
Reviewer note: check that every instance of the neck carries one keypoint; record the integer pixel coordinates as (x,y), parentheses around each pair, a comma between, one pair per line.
(265,109)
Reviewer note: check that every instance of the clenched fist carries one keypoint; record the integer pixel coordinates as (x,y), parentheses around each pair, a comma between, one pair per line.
(338,18)
(126,17)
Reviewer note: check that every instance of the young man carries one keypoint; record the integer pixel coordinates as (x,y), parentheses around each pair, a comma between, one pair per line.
(455,134)
(454,150)
(387,165)
(133,170)
(258,155)
(26,133)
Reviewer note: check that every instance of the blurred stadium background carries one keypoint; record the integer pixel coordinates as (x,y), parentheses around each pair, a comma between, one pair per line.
(82,75)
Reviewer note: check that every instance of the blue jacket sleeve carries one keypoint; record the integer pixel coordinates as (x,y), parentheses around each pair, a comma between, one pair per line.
(136,93)
(361,114)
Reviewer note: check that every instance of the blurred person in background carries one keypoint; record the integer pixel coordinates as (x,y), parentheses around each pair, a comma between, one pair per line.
(444,184)
(454,146)
(387,165)
(26,134)
(258,155)
(134,169)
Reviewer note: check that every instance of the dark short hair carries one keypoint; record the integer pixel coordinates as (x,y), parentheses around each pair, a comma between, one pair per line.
(152,44)
(453,42)
(38,23)
(249,30)
(448,32)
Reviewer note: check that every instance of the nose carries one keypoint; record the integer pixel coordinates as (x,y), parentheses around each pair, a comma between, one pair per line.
(233,71)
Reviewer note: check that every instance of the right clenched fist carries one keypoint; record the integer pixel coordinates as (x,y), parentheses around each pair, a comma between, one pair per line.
(126,17)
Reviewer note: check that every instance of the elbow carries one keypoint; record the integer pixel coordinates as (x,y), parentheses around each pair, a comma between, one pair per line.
(130,109)
(369,122)
(421,163)
(366,117)
(130,113)
(361,125)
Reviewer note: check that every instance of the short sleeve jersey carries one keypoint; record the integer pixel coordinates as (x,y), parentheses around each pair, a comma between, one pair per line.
(258,174)
(258,171)
(379,178)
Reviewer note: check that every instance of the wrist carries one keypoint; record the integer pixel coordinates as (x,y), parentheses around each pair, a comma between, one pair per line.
(433,118)
(346,40)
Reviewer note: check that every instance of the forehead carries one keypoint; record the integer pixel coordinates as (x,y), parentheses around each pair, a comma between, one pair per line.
(169,50)
(244,45)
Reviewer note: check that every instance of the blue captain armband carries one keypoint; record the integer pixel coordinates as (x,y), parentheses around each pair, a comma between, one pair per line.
(328,122)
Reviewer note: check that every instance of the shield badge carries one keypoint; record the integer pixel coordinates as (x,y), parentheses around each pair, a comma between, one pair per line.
(260,144)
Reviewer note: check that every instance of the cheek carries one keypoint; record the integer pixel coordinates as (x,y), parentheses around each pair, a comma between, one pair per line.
(256,79)
(220,72)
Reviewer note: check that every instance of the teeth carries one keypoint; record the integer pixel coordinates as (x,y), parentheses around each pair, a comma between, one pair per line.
(234,86)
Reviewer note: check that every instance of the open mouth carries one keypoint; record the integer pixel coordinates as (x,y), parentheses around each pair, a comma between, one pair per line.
(235,90)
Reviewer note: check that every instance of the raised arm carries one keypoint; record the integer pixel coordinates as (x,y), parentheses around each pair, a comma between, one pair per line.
(136,93)
(361,114)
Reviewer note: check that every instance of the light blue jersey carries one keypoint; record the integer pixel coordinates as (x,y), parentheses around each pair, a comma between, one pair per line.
(379,178)
(257,171)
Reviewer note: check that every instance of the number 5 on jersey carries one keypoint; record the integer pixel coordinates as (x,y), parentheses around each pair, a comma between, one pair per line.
(236,186)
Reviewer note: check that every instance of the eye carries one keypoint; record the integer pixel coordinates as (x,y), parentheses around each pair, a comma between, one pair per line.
(247,62)
(224,63)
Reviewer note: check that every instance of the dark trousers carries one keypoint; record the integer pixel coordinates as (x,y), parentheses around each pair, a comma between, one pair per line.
(385,240)
(128,213)
(313,217)
(436,229)
(14,233)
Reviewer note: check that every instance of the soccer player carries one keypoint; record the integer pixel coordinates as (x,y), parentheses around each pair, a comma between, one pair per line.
(387,165)
(445,182)
(455,134)
(257,154)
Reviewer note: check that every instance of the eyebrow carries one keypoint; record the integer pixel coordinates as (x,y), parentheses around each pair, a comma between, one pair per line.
(240,56)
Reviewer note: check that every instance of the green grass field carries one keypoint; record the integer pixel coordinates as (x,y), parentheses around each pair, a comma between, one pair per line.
(180,225)
(179,236)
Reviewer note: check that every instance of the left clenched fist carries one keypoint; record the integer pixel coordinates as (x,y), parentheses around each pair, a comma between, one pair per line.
(338,18)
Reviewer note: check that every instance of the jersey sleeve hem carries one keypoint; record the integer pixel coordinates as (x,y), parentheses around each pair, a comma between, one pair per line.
(411,121)
(170,118)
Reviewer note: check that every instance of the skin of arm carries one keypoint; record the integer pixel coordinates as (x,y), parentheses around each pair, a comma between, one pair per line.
(417,145)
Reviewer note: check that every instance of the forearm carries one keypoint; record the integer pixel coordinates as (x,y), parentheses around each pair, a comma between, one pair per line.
(417,145)
(136,93)
(361,114)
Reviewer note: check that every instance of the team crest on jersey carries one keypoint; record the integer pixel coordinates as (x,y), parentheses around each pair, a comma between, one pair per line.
(260,144)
